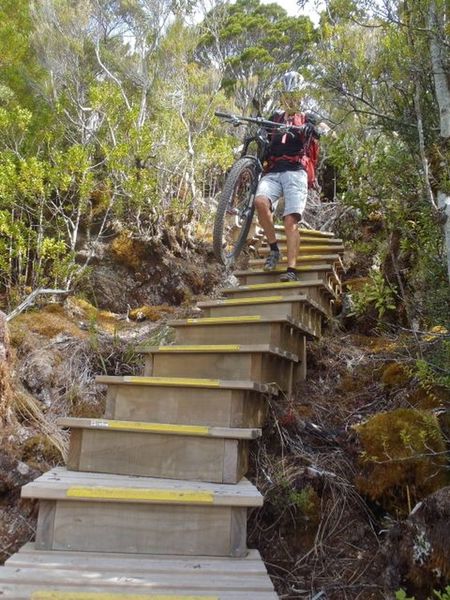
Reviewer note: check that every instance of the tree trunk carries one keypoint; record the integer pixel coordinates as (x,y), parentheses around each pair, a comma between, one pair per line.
(437,24)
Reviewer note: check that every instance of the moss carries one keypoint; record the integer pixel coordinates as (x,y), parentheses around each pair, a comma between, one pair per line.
(355,284)
(40,448)
(402,458)
(128,251)
(395,375)
(48,321)
(430,397)
(103,319)
(151,313)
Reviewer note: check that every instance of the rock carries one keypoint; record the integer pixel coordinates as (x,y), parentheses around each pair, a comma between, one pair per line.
(14,473)
(417,550)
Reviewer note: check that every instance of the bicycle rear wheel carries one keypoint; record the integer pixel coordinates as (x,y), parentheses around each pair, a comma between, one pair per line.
(235,210)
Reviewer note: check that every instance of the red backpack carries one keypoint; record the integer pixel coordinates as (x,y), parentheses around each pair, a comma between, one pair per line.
(308,157)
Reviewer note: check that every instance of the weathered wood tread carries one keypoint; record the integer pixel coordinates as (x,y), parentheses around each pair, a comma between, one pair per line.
(136,380)
(61,484)
(29,556)
(262,300)
(279,285)
(246,319)
(304,230)
(218,349)
(91,591)
(166,428)
(300,269)
(312,238)
(311,248)
(195,580)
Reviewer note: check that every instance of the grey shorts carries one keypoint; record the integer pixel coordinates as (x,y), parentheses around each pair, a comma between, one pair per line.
(293,185)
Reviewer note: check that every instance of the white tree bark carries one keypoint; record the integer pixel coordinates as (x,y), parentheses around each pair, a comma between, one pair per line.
(439,60)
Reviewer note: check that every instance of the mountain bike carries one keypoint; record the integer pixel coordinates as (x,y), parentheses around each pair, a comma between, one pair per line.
(236,208)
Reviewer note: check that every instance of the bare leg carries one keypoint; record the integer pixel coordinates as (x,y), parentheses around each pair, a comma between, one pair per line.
(265,217)
(293,238)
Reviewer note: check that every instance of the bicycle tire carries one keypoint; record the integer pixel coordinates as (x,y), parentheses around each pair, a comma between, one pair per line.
(244,171)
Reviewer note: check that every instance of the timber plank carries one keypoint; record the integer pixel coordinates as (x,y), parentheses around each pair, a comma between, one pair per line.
(29,556)
(194,580)
(186,382)
(168,429)
(218,407)
(64,592)
(263,363)
(183,529)
(61,484)
(280,331)
(158,450)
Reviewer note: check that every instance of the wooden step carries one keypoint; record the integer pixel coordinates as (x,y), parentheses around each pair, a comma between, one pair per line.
(116,573)
(328,259)
(305,249)
(91,591)
(282,332)
(191,452)
(310,239)
(314,289)
(103,513)
(261,363)
(325,273)
(305,231)
(298,307)
(29,556)
(187,401)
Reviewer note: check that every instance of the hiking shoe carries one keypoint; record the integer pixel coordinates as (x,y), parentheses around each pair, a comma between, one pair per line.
(289,276)
(272,260)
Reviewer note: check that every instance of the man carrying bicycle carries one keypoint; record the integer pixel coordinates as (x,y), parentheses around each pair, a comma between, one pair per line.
(289,168)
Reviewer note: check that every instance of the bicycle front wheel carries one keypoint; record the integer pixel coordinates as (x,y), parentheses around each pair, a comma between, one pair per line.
(235,210)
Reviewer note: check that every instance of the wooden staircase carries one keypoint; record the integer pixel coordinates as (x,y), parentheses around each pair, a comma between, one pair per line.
(153,501)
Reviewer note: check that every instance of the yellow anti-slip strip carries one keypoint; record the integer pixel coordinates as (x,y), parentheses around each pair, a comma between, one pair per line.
(155,427)
(225,348)
(253,300)
(147,495)
(263,286)
(49,595)
(219,320)
(168,381)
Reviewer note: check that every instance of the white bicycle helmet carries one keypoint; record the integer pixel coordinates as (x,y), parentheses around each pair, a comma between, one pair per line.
(292,82)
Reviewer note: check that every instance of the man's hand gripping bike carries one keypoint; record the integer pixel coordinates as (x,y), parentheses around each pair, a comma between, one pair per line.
(235,208)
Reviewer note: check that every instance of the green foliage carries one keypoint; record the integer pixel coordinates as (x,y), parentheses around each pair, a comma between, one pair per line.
(434,368)
(258,42)
(377,293)
(444,595)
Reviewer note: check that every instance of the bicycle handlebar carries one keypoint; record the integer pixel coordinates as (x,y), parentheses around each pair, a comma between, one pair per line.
(257,120)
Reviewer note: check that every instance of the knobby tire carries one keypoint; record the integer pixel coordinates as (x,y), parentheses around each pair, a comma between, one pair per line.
(243,168)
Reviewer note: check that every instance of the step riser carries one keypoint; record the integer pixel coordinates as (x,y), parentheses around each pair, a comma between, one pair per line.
(141,528)
(216,407)
(297,310)
(280,335)
(259,367)
(215,460)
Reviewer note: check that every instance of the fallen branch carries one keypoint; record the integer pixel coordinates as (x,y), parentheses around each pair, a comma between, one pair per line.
(30,299)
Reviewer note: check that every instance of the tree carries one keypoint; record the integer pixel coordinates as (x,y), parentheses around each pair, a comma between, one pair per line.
(252,45)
